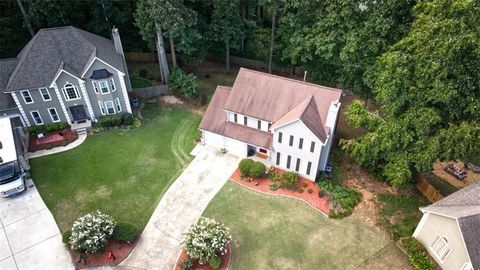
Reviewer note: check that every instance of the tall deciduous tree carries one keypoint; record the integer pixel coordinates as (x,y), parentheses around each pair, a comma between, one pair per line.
(429,87)
(227,26)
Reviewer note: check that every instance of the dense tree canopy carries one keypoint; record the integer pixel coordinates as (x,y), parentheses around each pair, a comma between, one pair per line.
(428,85)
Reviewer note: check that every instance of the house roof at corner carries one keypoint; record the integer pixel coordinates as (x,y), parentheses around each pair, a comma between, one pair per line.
(6,68)
(66,47)
(464,205)
(269,97)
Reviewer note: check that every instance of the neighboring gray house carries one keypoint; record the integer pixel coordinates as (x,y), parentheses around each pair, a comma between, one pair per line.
(450,229)
(65,74)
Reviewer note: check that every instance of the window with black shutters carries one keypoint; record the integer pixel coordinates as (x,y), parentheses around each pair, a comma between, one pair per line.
(235,118)
(269,126)
(309,166)
(300,143)
(279,137)
(312,147)
(297,166)
(245,120)
(278,158)
(259,124)
(291,140)
(289,158)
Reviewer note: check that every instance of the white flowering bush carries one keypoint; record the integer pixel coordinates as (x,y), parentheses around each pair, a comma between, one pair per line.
(206,240)
(90,233)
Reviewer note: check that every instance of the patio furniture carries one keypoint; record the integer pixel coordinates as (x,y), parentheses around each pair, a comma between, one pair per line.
(471,166)
(455,171)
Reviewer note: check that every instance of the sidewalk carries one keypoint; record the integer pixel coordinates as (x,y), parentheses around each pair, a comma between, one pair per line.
(46,152)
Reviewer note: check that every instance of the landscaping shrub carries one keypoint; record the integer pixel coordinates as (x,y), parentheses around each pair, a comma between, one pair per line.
(136,122)
(274,186)
(215,262)
(127,119)
(416,254)
(245,166)
(66,236)
(48,128)
(114,120)
(342,199)
(310,191)
(142,73)
(289,180)
(125,232)
(305,184)
(183,84)
(206,240)
(90,232)
(187,265)
(257,169)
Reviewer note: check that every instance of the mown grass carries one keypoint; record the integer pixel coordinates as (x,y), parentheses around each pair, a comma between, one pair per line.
(138,82)
(123,173)
(272,232)
(217,77)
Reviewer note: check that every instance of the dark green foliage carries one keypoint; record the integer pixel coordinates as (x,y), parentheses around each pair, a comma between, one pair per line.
(48,128)
(114,120)
(416,254)
(245,166)
(257,169)
(186,265)
(127,119)
(274,186)
(342,199)
(142,73)
(136,122)
(125,232)
(289,180)
(66,236)
(183,84)
(310,191)
(215,262)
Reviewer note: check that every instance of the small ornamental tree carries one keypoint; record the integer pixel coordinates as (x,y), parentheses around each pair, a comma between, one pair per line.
(90,232)
(206,240)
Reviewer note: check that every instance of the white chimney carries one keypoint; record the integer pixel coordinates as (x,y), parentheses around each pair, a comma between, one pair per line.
(119,49)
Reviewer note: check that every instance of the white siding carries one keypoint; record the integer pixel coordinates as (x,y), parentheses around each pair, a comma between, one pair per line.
(218,141)
(251,121)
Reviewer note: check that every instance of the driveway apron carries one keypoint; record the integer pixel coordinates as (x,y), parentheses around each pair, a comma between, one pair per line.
(29,236)
(182,205)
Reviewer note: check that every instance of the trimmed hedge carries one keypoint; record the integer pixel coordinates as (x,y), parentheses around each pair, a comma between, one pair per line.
(48,128)
(257,170)
(116,120)
(417,255)
(125,232)
(245,166)
(250,168)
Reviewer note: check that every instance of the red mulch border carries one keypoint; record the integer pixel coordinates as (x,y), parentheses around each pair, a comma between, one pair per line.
(312,199)
(68,137)
(226,260)
(120,250)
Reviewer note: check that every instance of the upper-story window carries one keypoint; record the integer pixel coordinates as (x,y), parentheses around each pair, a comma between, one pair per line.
(27,97)
(54,115)
(259,124)
(112,84)
(235,118)
(70,92)
(290,143)
(440,247)
(300,143)
(312,147)
(103,87)
(245,120)
(280,137)
(45,94)
(95,87)
(36,117)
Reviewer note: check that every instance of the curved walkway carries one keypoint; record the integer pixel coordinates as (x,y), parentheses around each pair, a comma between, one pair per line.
(182,204)
(46,152)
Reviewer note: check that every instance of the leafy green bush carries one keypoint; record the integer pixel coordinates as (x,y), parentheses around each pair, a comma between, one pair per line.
(403,209)
(417,255)
(114,120)
(183,84)
(215,262)
(245,166)
(66,236)
(342,198)
(136,122)
(289,180)
(305,184)
(274,186)
(125,232)
(48,128)
(310,191)
(187,264)
(127,119)
(257,169)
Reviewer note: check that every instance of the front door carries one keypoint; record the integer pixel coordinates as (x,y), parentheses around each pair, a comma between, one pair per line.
(78,113)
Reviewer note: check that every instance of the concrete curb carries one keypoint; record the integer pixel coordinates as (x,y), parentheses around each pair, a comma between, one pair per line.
(41,153)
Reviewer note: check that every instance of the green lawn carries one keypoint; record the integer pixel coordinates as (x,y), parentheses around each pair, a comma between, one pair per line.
(123,173)
(138,82)
(218,77)
(272,232)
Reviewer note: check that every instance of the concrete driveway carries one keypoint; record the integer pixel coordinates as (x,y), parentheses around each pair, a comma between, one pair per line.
(29,236)
(182,205)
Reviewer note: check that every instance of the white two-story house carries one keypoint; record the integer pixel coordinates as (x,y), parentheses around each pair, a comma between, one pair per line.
(289,122)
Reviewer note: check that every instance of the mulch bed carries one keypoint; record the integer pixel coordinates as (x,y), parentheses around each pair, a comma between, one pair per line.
(262,185)
(120,250)
(51,140)
(224,266)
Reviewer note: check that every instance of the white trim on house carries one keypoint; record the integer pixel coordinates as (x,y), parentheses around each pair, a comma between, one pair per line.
(43,96)
(102,109)
(106,87)
(118,105)
(95,87)
(75,89)
(467,266)
(420,225)
(29,96)
(124,91)
(87,99)
(62,104)
(58,75)
(107,107)
(20,108)
(440,244)
(34,118)
(111,84)
(96,58)
(56,113)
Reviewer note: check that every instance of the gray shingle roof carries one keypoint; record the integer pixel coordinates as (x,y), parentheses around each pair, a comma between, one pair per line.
(464,205)
(66,47)
(6,68)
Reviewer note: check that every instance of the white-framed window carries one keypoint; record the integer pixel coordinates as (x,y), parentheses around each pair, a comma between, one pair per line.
(102,109)
(27,97)
(70,92)
(109,107)
(36,117)
(112,84)
(45,94)
(440,247)
(53,114)
(118,105)
(103,87)
(95,87)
